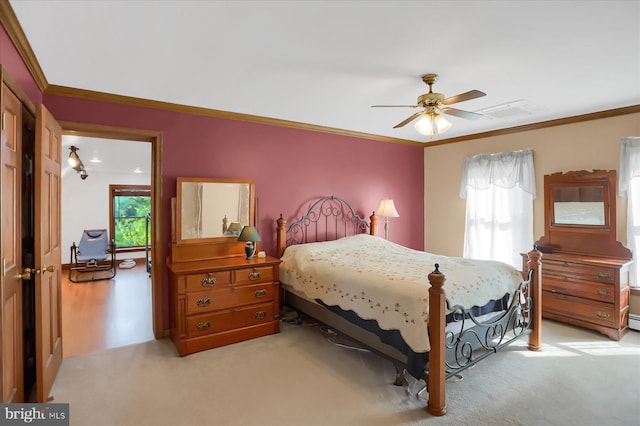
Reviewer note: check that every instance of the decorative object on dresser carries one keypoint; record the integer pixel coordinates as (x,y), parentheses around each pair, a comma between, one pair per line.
(218,295)
(586,272)
(249,235)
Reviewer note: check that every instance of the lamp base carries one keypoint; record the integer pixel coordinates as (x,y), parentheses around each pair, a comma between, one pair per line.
(249,249)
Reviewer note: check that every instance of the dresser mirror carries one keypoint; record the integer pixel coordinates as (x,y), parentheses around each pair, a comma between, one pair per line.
(212,210)
(579,205)
(580,213)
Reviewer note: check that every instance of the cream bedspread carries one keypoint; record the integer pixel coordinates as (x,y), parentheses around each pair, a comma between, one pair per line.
(381,280)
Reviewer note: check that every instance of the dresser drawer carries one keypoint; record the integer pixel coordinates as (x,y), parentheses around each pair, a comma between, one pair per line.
(208,280)
(578,271)
(229,319)
(253,275)
(573,287)
(587,310)
(228,297)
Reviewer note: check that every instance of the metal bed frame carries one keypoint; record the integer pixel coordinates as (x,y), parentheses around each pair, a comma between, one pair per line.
(332,217)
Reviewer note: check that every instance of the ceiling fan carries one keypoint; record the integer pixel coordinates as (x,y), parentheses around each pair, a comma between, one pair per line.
(433,104)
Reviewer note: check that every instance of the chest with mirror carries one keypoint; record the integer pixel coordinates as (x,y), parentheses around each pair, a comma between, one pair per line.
(219,293)
(585,269)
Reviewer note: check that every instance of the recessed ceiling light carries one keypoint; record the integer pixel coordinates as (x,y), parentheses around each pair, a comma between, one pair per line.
(95,160)
(137,170)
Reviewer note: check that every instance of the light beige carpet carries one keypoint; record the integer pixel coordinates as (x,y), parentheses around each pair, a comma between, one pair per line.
(298,377)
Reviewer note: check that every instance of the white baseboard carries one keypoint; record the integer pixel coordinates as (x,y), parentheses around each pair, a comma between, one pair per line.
(634,322)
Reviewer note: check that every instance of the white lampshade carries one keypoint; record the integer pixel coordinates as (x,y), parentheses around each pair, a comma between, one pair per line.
(424,125)
(387,209)
(430,122)
(441,123)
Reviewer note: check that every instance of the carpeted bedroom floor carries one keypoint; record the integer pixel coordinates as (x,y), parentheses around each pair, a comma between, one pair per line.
(299,377)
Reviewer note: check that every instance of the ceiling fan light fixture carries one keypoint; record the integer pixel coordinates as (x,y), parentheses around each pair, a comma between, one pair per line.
(441,123)
(431,120)
(424,125)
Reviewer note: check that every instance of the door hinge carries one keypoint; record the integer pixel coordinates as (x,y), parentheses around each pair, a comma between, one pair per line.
(3,115)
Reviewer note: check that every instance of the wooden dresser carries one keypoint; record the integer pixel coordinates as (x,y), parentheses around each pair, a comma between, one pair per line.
(588,291)
(219,292)
(221,301)
(585,271)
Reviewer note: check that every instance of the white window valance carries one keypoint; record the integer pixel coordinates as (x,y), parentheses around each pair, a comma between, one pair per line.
(629,163)
(504,169)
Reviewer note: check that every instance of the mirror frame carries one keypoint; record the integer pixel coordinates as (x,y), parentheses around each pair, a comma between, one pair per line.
(597,240)
(178,209)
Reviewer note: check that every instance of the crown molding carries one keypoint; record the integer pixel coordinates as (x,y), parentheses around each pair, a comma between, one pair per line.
(16,34)
(53,89)
(166,106)
(542,125)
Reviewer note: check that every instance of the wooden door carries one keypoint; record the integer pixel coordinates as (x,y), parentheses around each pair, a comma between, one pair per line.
(48,254)
(10,234)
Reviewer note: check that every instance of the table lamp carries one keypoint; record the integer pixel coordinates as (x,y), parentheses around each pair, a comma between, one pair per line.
(250,235)
(387,209)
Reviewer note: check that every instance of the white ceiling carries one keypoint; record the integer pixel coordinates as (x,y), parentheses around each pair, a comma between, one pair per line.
(327,62)
(109,156)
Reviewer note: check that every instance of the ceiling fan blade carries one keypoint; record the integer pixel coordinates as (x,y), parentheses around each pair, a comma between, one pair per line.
(462,114)
(467,96)
(408,120)
(395,106)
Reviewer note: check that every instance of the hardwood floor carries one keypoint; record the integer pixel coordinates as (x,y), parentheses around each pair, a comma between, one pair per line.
(98,315)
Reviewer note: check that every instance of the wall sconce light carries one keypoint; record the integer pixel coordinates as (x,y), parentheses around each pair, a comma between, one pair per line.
(75,162)
(431,122)
(250,235)
(387,210)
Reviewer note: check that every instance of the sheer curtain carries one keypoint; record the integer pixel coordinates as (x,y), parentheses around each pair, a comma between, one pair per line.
(629,186)
(499,189)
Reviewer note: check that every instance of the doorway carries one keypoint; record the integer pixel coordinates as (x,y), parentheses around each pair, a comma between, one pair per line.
(116,134)
(103,311)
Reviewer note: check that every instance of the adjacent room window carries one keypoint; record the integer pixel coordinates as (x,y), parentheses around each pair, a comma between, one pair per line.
(129,215)
(629,186)
(499,189)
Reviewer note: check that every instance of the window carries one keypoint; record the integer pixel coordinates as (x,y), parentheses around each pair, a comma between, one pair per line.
(629,186)
(499,189)
(129,216)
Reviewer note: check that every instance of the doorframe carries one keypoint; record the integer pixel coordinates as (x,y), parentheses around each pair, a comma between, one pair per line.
(155,138)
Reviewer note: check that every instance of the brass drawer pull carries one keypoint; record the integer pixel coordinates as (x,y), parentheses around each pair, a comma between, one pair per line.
(255,275)
(603,275)
(261,314)
(600,314)
(204,302)
(204,325)
(261,293)
(602,292)
(208,281)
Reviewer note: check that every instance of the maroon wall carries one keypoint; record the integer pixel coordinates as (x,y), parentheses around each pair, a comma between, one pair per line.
(289,166)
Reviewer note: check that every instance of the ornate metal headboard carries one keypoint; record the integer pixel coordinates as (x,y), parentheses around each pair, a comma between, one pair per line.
(328,218)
